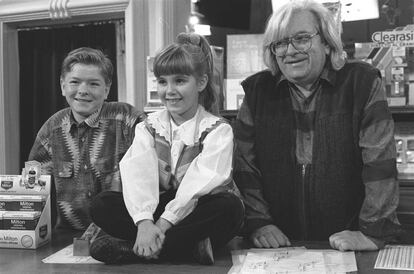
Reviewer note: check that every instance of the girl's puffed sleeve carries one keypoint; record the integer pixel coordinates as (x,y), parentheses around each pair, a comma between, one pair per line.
(139,175)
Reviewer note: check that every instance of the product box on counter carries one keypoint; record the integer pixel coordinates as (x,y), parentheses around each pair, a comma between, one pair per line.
(25,211)
(22,202)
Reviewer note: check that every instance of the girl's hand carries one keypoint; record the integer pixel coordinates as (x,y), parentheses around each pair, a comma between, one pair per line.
(149,240)
(163,224)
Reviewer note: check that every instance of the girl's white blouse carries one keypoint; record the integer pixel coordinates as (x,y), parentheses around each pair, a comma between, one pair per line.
(139,166)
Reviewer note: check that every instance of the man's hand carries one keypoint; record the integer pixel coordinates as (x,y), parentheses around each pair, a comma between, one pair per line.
(351,240)
(269,236)
(149,240)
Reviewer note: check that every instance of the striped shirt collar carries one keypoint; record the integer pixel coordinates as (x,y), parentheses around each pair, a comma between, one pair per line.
(92,120)
(328,75)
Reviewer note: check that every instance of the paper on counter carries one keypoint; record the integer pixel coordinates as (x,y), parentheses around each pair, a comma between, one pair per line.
(288,261)
(399,257)
(65,256)
(335,262)
(238,256)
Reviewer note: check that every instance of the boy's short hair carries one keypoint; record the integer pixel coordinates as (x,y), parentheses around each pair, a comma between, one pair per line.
(88,56)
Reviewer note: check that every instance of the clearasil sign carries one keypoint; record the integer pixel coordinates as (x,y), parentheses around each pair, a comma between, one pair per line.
(397,38)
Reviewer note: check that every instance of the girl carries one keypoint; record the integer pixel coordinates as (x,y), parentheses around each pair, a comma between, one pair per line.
(178,199)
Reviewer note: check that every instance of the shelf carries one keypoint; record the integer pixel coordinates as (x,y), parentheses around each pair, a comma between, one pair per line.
(406,179)
(229,114)
(394,110)
(402,109)
(232,112)
(406,182)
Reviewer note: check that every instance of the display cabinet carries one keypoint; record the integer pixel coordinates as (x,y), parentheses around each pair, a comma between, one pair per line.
(405,115)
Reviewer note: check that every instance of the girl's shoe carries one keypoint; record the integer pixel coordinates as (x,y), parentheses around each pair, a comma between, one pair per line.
(111,250)
(204,252)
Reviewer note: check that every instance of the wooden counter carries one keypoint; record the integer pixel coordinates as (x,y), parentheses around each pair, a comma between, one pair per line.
(30,261)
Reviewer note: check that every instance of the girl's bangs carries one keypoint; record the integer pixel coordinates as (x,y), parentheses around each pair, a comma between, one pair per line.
(173,63)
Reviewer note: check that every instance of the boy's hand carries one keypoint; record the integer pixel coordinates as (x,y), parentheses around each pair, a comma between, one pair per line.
(149,240)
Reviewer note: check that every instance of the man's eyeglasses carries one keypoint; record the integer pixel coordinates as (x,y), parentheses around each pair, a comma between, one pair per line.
(301,42)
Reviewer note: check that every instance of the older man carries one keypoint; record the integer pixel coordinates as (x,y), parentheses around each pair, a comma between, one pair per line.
(316,152)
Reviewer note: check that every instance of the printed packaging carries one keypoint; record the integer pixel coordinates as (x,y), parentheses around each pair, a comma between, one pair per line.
(25,226)
(13,220)
(22,202)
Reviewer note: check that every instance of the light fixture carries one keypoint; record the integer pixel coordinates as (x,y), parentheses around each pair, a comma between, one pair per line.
(202,29)
(194,19)
(195,22)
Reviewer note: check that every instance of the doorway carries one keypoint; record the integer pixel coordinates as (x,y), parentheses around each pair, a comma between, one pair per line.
(41,52)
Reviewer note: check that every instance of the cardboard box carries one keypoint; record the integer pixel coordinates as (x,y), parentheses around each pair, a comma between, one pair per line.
(1,219)
(18,220)
(41,231)
(81,245)
(22,202)
(396,101)
(234,94)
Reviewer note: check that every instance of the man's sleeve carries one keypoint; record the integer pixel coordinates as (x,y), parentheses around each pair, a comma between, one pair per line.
(246,174)
(134,118)
(378,218)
